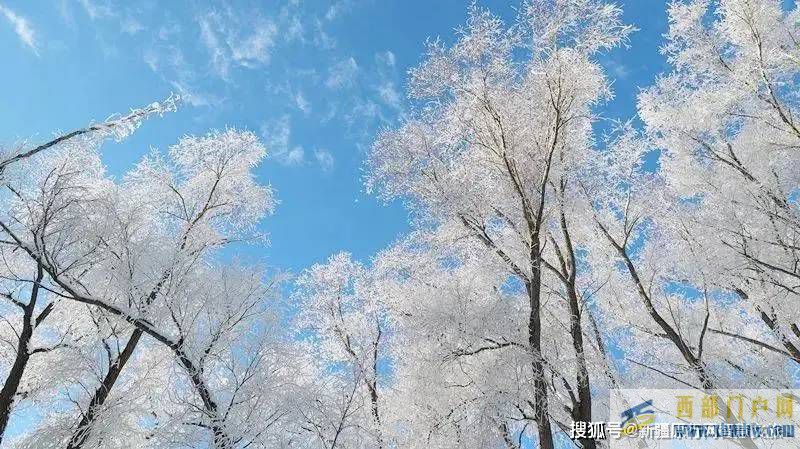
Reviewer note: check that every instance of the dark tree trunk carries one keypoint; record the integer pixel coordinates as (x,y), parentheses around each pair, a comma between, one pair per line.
(541,414)
(583,409)
(210,407)
(373,385)
(221,439)
(694,361)
(11,385)
(102,392)
(84,427)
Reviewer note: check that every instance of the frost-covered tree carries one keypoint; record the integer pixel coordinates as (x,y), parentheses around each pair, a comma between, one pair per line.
(346,323)
(139,254)
(492,155)
(725,120)
(662,301)
(461,358)
(39,334)
(35,309)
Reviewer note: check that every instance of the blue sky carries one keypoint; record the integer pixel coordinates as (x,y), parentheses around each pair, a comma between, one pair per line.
(315,79)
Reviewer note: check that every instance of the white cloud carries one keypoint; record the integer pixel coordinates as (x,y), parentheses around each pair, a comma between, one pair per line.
(384,84)
(131,26)
(219,59)
(169,62)
(322,39)
(302,103)
(277,135)
(295,30)
(95,10)
(337,9)
(151,59)
(192,97)
(254,49)
(331,111)
(324,159)
(66,13)
(21,27)
(295,156)
(245,40)
(363,111)
(165,32)
(386,58)
(619,70)
(389,94)
(342,74)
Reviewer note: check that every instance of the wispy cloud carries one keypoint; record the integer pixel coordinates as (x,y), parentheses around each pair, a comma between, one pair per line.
(169,63)
(277,135)
(386,58)
(192,96)
(324,159)
(302,103)
(255,48)
(294,30)
(337,9)
(237,39)
(385,84)
(167,31)
(617,69)
(295,156)
(376,102)
(389,94)
(342,74)
(22,28)
(363,111)
(131,26)
(218,57)
(96,10)
(322,39)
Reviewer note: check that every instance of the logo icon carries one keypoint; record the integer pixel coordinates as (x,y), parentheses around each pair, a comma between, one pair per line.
(637,417)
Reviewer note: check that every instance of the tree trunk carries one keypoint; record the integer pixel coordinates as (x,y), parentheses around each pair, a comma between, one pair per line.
(373,395)
(220,435)
(694,361)
(114,370)
(541,414)
(373,384)
(583,409)
(221,440)
(11,385)
(102,392)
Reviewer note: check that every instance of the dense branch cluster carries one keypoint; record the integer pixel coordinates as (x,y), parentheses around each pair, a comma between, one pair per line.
(545,266)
